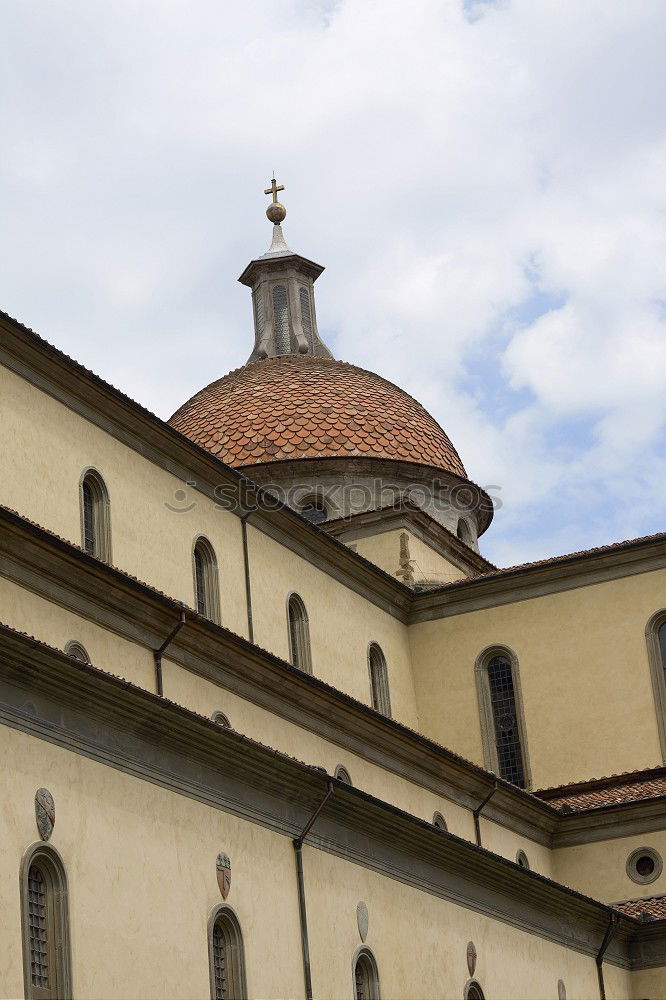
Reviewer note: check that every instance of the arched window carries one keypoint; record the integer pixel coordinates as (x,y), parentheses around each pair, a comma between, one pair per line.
(656,642)
(379,687)
(366,976)
(75,649)
(45,919)
(221,719)
(473,991)
(299,634)
(206,588)
(342,774)
(439,822)
(95,517)
(281,315)
(226,956)
(502,724)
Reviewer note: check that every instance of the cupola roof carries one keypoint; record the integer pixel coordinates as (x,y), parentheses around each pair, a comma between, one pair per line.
(300,406)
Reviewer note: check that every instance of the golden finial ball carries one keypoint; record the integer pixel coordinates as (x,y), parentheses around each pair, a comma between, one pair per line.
(276,212)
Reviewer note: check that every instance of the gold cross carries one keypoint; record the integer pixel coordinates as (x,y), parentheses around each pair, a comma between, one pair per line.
(273,189)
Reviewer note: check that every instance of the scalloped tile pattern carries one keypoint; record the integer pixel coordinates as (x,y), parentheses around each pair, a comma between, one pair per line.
(299,406)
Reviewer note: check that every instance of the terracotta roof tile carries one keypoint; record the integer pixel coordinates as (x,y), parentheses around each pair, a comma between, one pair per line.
(616,789)
(647,910)
(346,410)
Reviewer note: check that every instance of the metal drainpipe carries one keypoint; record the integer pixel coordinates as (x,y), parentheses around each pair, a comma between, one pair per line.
(477,812)
(298,845)
(246,563)
(157,653)
(608,937)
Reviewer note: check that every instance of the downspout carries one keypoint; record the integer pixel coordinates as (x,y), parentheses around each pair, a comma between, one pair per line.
(298,845)
(477,812)
(157,653)
(608,937)
(246,563)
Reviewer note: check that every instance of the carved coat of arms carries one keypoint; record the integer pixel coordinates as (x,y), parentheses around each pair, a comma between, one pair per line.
(223,866)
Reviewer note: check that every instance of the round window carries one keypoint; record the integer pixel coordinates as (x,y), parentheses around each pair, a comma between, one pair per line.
(644,865)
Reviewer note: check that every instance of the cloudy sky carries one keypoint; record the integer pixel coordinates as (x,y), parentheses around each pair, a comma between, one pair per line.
(485,183)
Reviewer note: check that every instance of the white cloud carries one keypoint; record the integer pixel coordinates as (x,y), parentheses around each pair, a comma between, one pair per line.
(446,163)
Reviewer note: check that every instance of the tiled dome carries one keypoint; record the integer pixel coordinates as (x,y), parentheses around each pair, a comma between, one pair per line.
(304,407)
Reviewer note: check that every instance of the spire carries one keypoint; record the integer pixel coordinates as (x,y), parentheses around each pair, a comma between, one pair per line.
(282,284)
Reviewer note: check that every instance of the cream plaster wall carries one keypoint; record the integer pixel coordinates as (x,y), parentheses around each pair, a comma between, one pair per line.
(205,697)
(342,625)
(25,611)
(420,941)
(507,843)
(587,691)
(46,447)
(599,869)
(141,869)
(648,983)
(383,549)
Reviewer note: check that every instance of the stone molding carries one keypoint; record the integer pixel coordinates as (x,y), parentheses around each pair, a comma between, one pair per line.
(47,368)
(63,701)
(410,518)
(58,571)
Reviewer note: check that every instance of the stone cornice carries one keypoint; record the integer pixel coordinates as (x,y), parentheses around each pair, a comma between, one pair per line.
(41,364)
(608,822)
(581,569)
(65,574)
(60,572)
(61,700)
(419,523)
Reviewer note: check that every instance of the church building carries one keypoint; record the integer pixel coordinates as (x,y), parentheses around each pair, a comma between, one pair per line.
(271,724)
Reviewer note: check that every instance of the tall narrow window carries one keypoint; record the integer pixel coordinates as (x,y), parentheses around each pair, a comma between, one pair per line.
(501,716)
(259,318)
(306,315)
(299,634)
(366,976)
(379,687)
(206,588)
(226,956)
(281,316)
(46,954)
(656,642)
(95,520)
